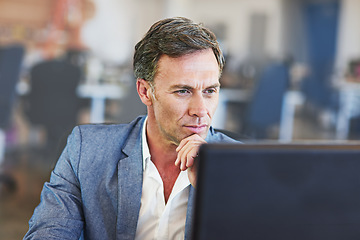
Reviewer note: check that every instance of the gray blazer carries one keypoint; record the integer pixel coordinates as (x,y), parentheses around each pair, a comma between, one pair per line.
(94,191)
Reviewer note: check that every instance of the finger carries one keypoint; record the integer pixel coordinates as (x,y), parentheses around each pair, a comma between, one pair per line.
(191,161)
(181,157)
(190,157)
(177,161)
(187,150)
(180,148)
(181,145)
(183,154)
(186,140)
(187,147)
(188,153)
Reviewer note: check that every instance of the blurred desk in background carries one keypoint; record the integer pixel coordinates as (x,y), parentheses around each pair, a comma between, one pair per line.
(228,95)
(291,99)
(349,107)
(98,93)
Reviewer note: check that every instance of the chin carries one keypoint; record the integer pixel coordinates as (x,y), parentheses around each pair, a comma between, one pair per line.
(203,136)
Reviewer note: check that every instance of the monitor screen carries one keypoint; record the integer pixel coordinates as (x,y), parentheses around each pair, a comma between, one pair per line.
(263,191)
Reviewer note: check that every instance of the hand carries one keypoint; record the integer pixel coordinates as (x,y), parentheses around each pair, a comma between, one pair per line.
(187,152)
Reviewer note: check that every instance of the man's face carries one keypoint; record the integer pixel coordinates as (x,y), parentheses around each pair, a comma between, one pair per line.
(186,95)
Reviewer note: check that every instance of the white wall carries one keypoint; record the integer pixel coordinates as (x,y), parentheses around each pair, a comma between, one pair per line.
(236,17)
(349,33)
(109,33)
(119,24)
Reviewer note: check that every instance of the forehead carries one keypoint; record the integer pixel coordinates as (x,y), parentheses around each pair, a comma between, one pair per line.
(198,66)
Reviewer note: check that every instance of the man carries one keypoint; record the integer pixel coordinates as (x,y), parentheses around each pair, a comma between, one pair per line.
(136,181)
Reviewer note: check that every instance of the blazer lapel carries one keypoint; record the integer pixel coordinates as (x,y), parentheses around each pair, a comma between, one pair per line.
(189,214)
(130,185)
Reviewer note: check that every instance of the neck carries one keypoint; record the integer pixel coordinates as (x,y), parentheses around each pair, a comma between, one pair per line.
(160,148)
(163,155)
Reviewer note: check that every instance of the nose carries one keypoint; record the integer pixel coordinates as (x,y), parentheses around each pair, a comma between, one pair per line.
(197,106)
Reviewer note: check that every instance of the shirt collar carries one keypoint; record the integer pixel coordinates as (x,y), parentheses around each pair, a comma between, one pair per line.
(145,146)
(183,177)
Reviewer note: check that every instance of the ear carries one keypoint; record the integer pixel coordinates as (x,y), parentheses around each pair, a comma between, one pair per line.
(144,91)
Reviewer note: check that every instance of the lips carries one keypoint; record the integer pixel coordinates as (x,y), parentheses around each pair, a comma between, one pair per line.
(196,128)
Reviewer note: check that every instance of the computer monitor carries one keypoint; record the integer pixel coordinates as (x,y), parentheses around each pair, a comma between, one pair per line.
(282,192)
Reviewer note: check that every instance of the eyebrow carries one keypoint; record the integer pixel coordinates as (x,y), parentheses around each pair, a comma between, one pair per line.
(216,85)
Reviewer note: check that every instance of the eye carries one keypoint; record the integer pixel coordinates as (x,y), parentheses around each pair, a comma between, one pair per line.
(182,92)
(210,91)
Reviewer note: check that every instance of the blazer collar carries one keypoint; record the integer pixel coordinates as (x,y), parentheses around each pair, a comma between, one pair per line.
(130,180)
(189,214)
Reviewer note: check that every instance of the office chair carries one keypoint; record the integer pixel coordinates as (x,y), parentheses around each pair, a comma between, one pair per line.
(10,66)
(264,111)
(53,102)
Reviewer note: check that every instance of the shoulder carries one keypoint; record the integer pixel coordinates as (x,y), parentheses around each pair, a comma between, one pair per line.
(99,145)
(215,136)
(97,133)
(101,138)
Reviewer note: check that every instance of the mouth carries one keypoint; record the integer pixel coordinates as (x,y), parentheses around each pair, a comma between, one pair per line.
(196,128)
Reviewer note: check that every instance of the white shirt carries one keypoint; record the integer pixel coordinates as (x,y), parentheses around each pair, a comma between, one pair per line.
(158,220)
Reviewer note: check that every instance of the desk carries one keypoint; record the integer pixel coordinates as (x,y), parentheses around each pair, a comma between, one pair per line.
(290,100)
(98,94)
(349,107)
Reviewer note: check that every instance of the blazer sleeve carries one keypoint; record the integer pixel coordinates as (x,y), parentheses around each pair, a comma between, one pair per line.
(59,214)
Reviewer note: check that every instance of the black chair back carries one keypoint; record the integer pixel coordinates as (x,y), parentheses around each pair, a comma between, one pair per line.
(265,108)
(10,66)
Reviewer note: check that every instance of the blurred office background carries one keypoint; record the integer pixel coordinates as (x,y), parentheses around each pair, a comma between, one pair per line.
(292,74)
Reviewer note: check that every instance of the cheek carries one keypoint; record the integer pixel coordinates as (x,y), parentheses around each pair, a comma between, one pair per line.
(170,109)
(212,106)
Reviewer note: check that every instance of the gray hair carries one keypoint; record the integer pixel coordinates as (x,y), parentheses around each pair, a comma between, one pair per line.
(174,37)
